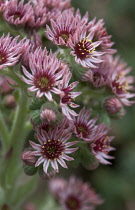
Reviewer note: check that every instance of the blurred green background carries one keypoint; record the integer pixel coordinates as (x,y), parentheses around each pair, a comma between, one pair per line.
(115,183)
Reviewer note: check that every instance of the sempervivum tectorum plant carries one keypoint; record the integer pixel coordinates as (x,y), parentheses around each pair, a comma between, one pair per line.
(68,96)
(17,13)
(43,78)
(74,194)
(101,35)
(101,144)
(11,50)
(64,27)
(121,83)
(53,147)
(84,128)
(84,48)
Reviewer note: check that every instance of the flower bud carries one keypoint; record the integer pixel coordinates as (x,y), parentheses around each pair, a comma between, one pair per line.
(48,115)
(28,158)
(30,206)
(46,176)
(29,170)
(10,101)
(112,105)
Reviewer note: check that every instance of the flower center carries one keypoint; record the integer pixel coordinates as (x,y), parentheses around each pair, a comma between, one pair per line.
(102,145)
(122,87)
(84,48)
(44,82)
(82,129)
(53,149)
(2,57)
(72,203)
(64,36)
(17,14)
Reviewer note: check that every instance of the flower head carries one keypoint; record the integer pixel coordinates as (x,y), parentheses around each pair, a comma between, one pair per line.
(101,144)
(17,13)
(101,35)
(48,115)
(38,18)
(53,147)
(99,76)
(10,50)
(43,77)
(74,194)
(84,128)
(84,49)
(119,82)
(64,27)
(112,105)
(67,95)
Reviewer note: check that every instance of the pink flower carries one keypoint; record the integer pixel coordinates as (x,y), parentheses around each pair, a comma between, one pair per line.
(53,147)
(64,27)
(18,13)
(99,76)
(101,144)
(10,50)
(43,77)
(53,6)
(101,35)
(74,194)
(38,18)
(112,105)
(119,82)
(84,128)
(84,49)
(67,95)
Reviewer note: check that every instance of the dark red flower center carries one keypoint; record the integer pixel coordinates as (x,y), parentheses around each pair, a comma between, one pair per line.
(82,129)
(102,145)
(121,87)
(73,203)
(44,82)
(17,14)
(84,49)
(52,149)
(67,97)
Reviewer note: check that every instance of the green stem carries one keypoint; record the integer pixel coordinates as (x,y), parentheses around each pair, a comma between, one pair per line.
(17,137)
(4,133)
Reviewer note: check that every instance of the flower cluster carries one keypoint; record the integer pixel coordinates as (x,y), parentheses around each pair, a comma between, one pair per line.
(81,72)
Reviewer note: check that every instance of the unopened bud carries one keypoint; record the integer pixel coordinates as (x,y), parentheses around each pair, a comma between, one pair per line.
(46,176)
(48,115)
(10,101)
(5,87)
(30,206)
(28,158)
(112,105)
(29,170)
